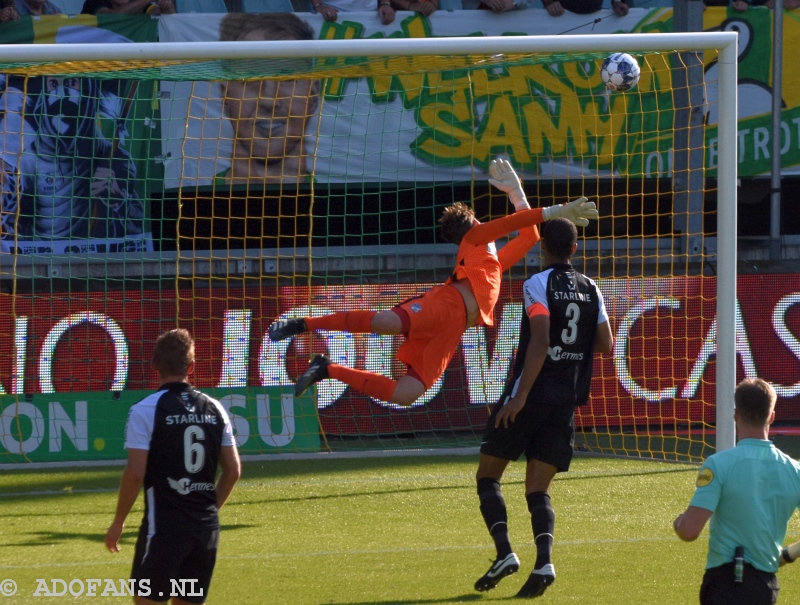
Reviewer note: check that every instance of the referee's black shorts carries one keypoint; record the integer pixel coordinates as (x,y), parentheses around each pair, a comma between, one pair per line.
(542,432)
(178,564)
(758,587)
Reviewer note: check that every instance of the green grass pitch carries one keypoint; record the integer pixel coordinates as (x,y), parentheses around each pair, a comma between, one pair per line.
(379,531)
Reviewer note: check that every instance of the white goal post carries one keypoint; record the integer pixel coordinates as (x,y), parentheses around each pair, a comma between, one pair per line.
(725,43)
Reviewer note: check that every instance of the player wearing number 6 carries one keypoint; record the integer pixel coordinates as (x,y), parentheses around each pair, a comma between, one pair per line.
(565,322)
(175,439)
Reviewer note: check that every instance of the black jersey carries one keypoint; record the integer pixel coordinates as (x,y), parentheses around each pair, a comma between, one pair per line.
(575,306)
(183,430)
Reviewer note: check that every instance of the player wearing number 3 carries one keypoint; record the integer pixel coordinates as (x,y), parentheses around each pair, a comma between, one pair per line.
(434,322)
(565,322)
(175,439)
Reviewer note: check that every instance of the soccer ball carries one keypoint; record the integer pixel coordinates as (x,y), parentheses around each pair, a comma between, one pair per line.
(620,72)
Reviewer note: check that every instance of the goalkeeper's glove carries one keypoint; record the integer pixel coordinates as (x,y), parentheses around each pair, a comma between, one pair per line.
(505,179)
(578,211)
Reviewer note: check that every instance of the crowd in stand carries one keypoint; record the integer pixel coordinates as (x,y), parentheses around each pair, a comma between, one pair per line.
(10,10)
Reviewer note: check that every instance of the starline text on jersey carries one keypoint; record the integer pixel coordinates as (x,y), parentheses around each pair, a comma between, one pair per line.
(191,419)
(584,296)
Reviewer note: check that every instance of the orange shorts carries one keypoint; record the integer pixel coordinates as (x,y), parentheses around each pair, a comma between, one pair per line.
(438,319)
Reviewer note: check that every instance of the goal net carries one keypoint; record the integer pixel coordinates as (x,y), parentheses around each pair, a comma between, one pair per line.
(219,186)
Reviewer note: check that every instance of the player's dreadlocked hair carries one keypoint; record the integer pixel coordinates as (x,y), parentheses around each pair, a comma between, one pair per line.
(456,220)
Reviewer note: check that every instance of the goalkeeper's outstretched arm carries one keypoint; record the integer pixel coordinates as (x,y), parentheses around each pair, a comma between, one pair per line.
(483,233)
(503,176)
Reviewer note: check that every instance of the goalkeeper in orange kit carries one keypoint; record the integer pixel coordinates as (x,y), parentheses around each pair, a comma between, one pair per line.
(434,322)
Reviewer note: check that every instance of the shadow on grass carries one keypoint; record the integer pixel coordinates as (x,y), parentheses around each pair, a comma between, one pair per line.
(59,514)
(14,484)
(415,489)
(283,469)
(54,480)
(48,538)
(666,471)
(270,470)
(306,498)
(466,598)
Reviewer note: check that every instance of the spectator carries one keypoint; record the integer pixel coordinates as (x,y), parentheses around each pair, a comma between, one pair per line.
(556,8)
(501,6)
(423,7)
(128,7)
(8,12)
(36,7)
(743,5)
(330,10)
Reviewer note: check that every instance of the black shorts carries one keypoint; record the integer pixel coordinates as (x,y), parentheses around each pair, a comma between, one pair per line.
(543,432)
(178,564)
(758,587)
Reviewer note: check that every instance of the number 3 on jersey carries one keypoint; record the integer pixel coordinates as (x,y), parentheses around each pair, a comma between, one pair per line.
(570,334)
(194,454)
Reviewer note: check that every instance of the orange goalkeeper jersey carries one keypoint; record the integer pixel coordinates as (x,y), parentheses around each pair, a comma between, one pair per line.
(479,261)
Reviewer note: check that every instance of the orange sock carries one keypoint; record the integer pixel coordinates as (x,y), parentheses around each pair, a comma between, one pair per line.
(356,322)
(374,385)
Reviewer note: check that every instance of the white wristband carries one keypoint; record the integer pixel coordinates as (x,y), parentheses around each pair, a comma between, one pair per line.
(519,200)
(551,212)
